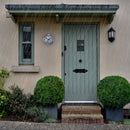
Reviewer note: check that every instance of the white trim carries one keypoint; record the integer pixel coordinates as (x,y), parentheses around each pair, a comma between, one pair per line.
(80,101)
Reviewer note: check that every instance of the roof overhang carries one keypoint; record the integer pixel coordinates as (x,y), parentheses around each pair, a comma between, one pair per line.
(62,10)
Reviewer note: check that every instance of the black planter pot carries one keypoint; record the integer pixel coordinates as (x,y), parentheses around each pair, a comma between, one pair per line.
(52,111)
(114,114)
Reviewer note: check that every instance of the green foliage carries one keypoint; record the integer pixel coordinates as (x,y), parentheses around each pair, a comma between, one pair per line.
(49,90)
(4,74)
(36,113)
(3,99)
(112,122)
(17,101)
(126,121)
(2,113)
(49,120)
(30,102)
(114,91)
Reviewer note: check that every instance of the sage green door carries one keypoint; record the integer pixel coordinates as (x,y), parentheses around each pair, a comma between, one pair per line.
(80,62)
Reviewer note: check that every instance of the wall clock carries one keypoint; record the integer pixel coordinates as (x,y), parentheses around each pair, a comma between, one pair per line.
(48,39)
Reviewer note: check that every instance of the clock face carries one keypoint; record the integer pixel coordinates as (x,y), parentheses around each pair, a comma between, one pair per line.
(48,39)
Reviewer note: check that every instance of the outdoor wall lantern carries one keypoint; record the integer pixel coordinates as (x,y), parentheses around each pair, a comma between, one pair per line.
(111,34)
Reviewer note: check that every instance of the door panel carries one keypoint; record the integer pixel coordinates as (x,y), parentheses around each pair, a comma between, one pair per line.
(80,54)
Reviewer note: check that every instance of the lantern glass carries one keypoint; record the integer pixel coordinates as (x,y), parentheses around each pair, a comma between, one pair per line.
(109,34)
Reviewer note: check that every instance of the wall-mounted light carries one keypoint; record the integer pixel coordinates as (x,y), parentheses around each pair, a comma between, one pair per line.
(111,34)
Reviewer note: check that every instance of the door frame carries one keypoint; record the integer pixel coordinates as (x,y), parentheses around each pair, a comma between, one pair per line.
(63,53)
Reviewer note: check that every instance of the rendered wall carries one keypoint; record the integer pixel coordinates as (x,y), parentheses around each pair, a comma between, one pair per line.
(114,57)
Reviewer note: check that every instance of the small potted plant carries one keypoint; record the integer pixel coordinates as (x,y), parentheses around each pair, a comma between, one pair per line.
(49,91)
(114,93)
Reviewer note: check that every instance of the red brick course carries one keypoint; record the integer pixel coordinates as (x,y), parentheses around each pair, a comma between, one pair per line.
(126,112)
(83,121)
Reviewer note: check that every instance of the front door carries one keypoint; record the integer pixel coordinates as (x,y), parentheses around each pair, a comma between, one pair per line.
(80,48)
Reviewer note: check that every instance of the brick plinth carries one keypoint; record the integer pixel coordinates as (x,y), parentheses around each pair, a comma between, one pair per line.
(83,121)
(81,114)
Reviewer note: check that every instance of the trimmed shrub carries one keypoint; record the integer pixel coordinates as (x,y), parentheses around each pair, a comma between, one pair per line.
(36,113)
(49,90)
(114,91)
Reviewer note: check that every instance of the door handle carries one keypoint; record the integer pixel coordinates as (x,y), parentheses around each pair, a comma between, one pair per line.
(80,70)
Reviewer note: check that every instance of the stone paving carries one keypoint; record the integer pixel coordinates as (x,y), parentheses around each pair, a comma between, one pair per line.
(10,125)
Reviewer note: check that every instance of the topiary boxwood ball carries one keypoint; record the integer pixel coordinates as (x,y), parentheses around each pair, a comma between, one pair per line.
(114,91)
(49,90)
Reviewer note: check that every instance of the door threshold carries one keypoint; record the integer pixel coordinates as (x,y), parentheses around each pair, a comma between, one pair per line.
(80,101)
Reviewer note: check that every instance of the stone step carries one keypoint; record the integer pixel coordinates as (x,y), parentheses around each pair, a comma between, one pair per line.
(81,110)
(82,116)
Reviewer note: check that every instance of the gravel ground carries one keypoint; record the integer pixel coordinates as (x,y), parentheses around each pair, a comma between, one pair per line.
(10,125)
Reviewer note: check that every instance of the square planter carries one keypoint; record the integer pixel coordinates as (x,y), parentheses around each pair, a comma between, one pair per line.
(114,114)
(52,111)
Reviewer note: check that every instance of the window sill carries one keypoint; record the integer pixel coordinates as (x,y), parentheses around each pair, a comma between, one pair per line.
(25,69)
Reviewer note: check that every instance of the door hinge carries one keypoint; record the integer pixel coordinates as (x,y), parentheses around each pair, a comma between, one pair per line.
(65,48)
(62,53)
(65,74)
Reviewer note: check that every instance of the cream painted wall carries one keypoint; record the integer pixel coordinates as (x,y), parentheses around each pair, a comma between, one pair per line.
(114,57)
